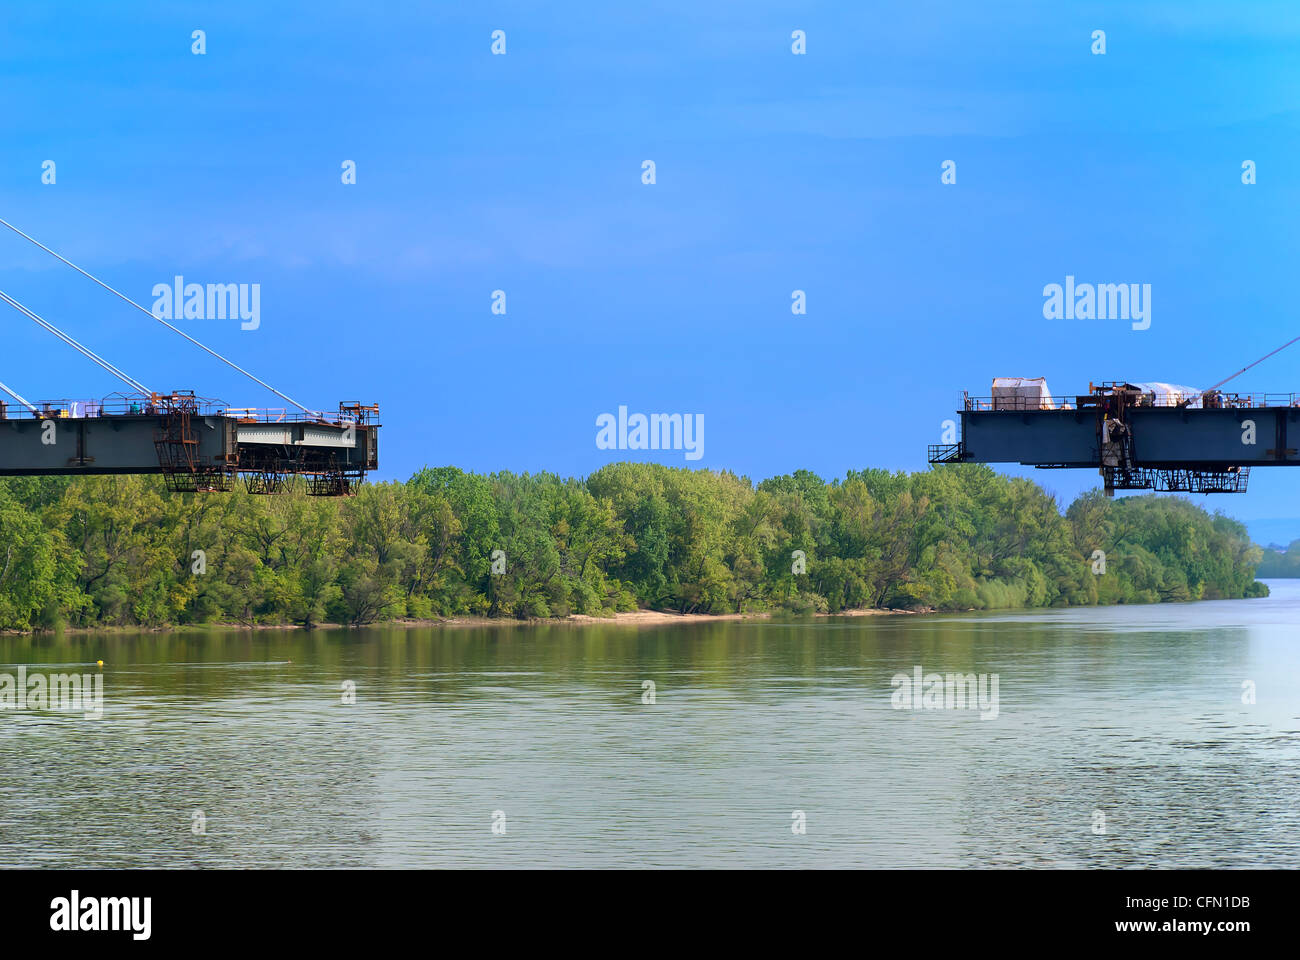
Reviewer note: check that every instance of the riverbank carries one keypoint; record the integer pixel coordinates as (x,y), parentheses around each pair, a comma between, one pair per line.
(635,618)
(660,617)
(631,536)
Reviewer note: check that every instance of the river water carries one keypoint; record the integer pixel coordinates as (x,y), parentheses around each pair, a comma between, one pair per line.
(1119,738)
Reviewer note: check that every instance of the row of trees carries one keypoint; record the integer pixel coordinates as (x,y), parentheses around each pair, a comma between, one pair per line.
(121,550)
(1280,562)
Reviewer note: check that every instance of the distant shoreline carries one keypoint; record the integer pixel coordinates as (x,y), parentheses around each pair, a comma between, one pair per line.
(641,618)
(632,618)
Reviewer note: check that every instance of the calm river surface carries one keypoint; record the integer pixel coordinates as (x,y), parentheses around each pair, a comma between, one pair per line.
(1135,713)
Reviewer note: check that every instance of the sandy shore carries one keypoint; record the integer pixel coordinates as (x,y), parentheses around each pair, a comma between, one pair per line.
(636,618)
(660,616)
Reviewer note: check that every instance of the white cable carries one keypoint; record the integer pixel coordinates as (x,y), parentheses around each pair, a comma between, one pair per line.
(83,350)
(79,347)
(20,399)
(1248,366)
(314,413)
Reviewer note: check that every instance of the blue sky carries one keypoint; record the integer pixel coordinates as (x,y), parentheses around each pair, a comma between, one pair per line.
(775,172)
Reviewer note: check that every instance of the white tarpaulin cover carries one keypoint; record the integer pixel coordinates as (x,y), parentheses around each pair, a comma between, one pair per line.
(1170,394)
(1021,393)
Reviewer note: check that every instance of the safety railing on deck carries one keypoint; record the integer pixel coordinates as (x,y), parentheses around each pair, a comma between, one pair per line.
(347,413)
(121,405)
(1197,401)
(116,405)
(1013,403)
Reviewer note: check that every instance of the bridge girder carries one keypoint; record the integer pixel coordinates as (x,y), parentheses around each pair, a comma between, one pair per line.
(194,451)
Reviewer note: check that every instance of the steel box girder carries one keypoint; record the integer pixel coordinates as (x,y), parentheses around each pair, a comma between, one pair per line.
(1162,437)
(125,444)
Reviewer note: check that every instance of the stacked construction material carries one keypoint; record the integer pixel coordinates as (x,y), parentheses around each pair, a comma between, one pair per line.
(1021,393)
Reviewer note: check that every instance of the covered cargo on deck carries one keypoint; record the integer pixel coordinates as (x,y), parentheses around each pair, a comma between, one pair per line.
(1160,394)
(1021,393)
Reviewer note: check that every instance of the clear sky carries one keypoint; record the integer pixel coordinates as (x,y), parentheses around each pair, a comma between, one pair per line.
(775,172)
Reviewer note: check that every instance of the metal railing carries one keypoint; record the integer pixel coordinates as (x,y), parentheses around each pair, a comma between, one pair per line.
(1235,401)
(123,405)
(112,406)
(1013,403)
(944,453)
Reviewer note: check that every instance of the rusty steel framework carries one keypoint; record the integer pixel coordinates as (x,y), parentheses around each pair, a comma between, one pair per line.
(184,468)
(268,469)
(1229,480)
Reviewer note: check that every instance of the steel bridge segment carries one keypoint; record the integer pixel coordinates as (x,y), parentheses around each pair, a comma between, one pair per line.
(194,450)
(1163,437)
(178,435)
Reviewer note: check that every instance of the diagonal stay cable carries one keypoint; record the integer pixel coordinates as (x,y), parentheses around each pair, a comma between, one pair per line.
(19,399)
(174,329)
(80,348)
(1249,365)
